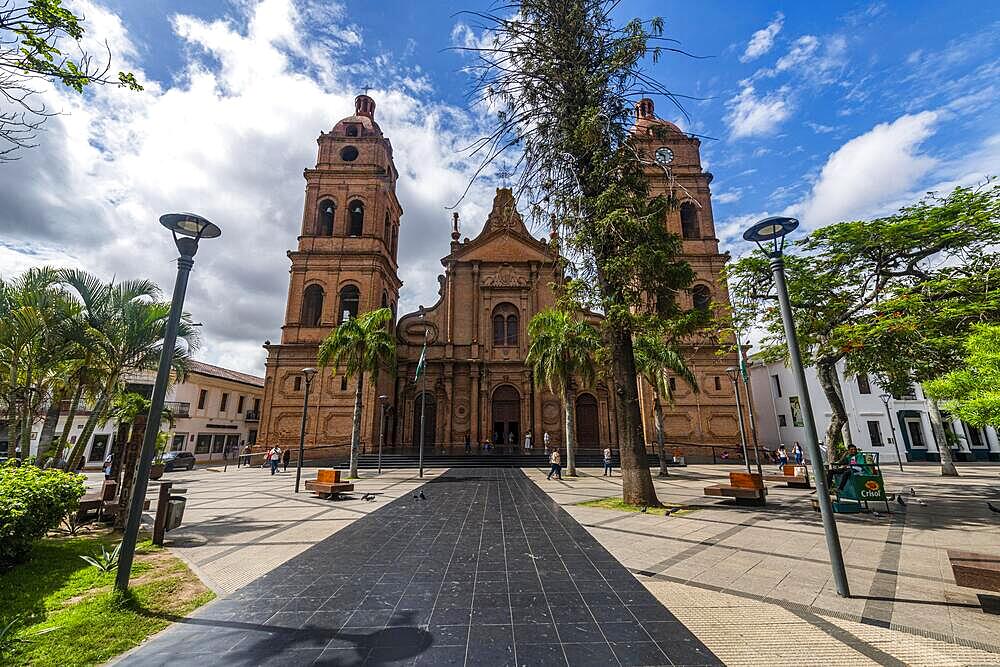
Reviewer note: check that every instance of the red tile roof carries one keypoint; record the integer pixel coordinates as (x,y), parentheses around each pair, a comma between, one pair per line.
(202,368)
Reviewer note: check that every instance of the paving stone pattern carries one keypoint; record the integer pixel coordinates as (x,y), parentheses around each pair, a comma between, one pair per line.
(487,570)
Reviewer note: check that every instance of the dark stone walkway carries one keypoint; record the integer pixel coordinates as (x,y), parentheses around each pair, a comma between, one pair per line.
(486,571)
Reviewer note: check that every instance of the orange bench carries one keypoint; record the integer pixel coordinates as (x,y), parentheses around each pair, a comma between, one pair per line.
(796,475)
(744,488)
(327,484)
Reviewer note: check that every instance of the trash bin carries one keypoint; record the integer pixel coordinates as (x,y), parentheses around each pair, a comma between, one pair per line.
(175,512)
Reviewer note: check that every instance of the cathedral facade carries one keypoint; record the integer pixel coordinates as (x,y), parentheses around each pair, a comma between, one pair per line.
(476,386)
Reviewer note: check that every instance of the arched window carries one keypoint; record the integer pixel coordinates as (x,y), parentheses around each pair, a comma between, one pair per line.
(356,217)
(392,246)
(324,217)
(385,299)
(505,324)
(689,221)
(701,296)
(350,298)
(386,232)
(352,130)
(312,306)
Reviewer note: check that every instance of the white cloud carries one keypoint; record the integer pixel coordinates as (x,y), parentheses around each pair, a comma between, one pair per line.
(819,128)
(802,49)
(867,175)
(762,40)
(728,196)
(750,115)
(228,137)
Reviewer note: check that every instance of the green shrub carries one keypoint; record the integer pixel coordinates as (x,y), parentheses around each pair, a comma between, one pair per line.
(33,501)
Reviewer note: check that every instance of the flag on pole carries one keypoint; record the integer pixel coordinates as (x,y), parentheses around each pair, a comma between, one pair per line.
(423,361)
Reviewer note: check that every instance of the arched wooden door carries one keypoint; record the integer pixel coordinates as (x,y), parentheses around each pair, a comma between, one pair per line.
(430,420)
(588,432)
(506,409)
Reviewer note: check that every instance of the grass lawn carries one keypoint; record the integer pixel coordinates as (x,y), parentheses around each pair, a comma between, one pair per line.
(616,503)
(68,614)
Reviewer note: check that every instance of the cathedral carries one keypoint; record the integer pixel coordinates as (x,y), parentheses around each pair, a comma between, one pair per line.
(476,386)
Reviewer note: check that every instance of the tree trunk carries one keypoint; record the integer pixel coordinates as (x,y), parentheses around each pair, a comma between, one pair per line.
(29,419)
(100,406)
(948,468)
(45,438)
(130,459)
(637,482)
(68,426)
(835,429)
(838,386)
(569,410)
(118,447)
(356,428)
(660,447)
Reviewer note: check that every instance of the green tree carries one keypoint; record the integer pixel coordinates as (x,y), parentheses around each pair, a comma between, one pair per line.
(564,76)
(131,322)
(839,275)
(42,40)
(360,345)
(919,334)
(656,359)
(562,349)
(972,393)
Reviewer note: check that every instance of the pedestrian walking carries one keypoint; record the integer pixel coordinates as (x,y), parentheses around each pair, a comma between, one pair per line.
(285,457)
(108,466)
(798,453)
(782,456)
(527,442)
(274,458)
(511,442)
(556,462)
(468,444)
(607,461)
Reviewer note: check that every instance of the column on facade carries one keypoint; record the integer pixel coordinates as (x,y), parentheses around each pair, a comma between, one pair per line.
(474,427)
(991,439)
(476,314)
(536,410)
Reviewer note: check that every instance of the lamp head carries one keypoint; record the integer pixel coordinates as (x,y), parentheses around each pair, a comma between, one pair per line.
(309,372)
(885,397)
(733,372)
(190,224)
(769,234)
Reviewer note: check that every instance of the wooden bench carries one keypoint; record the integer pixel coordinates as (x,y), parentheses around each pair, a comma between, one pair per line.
(327,484)
(744,488)
(798,479)
(97,501)
(975,570)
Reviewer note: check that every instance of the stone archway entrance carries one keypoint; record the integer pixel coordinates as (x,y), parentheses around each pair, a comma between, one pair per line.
(430,421)
(588,433)
(506,409)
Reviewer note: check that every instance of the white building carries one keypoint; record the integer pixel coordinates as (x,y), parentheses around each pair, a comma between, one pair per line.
(215,410)
(778,412)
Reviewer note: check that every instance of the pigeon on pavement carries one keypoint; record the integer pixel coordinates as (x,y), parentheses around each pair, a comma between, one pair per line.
(422,496)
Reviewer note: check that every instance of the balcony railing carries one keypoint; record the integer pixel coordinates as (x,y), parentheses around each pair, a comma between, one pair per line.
(177,409)
(252,416)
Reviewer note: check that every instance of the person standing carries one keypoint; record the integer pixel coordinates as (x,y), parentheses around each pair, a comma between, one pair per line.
(274,457)
(527,442)
(108,467)
(782,456)
(607,462)
(468,444)
(285,457)
(798,453)
(511,443)
(556,462)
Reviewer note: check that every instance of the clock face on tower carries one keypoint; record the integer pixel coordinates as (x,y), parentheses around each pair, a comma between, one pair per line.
(664,155)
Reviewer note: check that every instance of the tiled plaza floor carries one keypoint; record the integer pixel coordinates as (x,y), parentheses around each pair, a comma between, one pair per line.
(486,570)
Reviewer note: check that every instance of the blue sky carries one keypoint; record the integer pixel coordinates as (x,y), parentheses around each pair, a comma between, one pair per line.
(827,111)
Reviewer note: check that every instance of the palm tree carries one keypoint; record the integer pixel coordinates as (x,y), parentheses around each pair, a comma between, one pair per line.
(130,322)
(563,348)
(655,359)
(360,344)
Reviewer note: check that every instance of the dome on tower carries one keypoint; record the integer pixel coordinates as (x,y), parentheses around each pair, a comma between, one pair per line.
(645,119)
(362,123)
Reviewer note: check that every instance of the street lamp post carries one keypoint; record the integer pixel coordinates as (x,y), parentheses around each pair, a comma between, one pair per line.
(885,401)
(769,235)
(381,429)
(734,375)
(187,229)
(308,373)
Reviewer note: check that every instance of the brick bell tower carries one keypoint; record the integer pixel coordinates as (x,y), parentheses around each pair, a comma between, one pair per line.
(674,170)
(345,264)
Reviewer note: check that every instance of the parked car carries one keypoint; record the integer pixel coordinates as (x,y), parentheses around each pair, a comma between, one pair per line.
(176,460)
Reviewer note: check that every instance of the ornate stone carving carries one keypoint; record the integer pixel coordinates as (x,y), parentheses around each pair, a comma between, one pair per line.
(551,412)
(505,276)
(461,412)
